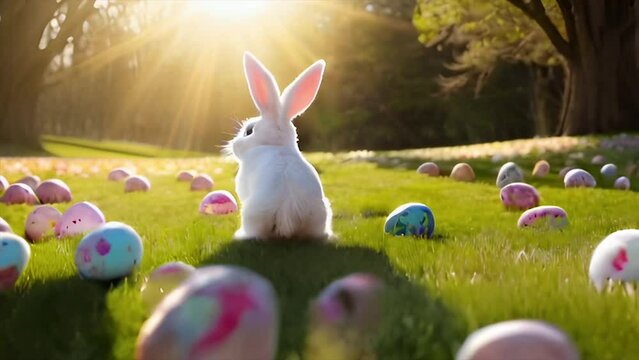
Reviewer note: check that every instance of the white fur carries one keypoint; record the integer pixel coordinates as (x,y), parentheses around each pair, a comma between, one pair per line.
(280,192)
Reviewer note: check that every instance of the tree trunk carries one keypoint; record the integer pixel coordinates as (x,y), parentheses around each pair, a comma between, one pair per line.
(544,99)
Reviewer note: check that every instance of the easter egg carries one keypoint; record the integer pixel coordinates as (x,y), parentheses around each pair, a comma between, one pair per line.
(31,181)
(598,160)
(4,226)
(4,184)
(14,257)
(579,178)
(622,183)
(218,202)
(520,196)
(462,172)
(186,175)
(163,280)
(616,257)
(509,173)
(41,223)
(541,169)
(564,171)
(202,182)
(549,217)
(428,168)
(79,219)
(119,174)
(53,191)
(609,170)
(109,252)
(520,339)
(411,219)
(219,312)
(136,183)
(19,194)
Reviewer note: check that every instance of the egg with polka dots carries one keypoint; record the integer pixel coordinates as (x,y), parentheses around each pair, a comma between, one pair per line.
(110,252)
(544,217)
(79,219)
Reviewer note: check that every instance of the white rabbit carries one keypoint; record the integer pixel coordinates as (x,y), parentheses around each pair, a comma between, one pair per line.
(280,192)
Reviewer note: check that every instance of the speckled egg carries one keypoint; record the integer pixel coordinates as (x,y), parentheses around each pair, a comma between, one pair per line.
(202,182)
(548,217)
(428,168)
(541,169)
(520,339)
(622,183)
(579,178)
(19,194)
(185,175)
(53,191)
(31,181)
(463,172)
(14,257)
(119,174)
(4,226)
(109,252)
(4,184)
(219,312)
(509,173)
(79,219)
(163,280)
(609,170)
(136,183)
(519,196)
(41,223)
(411,219)
(219,202)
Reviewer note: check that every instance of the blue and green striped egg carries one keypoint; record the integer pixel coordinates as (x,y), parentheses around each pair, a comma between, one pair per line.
(411,219)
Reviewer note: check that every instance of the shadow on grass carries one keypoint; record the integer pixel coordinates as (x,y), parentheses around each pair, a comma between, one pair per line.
(416,326)
(58,319)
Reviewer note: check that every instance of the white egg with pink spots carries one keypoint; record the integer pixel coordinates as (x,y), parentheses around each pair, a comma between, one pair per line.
(79,219)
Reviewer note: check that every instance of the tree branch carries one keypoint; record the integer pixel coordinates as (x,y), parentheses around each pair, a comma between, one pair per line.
(76,15)
(565,6)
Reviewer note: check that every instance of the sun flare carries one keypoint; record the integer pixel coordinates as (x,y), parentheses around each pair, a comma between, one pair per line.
(228,9)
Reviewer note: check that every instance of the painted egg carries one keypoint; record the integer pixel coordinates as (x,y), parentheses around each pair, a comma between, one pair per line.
(523,339)
(41,223)
(509,173)
(119,174)
(19,194)
(186,175)
(110,252)
(163,280)
(541,169)
(609,170)
(4,184)
(202,182)
(463,172)
(219,202)
(622,183)
(520,196)
(53,191)
(31,181)
(219,312)
(411,219)
(428,168)
(79,219)
(564,171)
(4,226)
(551,217)
(598,160)
(136,183)
(14,257)
(579,178)
(616,257)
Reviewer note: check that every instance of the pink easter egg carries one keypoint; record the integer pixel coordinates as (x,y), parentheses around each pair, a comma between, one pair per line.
(4,226)
(202,182)
(163,280)
(31,180)
(520,196)
(53,191)
(41,223)
(428,168)
(219,202)
(552,217)
(78,219)
(186,175)
(579,178)
(136,183)
(219,312)
(622,183)
(119,174)
(4,184)
(19,194)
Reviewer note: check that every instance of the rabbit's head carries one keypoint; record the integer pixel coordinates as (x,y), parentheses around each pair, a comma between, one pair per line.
(274,126)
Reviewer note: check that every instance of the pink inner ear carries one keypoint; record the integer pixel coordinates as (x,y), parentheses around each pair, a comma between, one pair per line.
(304,92)
(257,84)
(620,261)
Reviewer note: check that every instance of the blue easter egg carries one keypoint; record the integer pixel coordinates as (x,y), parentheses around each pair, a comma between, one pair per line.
(411,219)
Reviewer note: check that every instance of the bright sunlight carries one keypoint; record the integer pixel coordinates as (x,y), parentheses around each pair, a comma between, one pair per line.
(232,10)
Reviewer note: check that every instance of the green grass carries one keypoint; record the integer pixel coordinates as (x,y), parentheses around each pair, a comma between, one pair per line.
(479,269)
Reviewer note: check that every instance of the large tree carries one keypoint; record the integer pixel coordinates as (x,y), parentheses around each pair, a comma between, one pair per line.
(595,42)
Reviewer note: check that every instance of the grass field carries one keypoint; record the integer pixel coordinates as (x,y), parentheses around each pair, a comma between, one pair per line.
(479,268)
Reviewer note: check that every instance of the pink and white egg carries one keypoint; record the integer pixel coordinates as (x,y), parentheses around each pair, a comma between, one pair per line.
(14,257)
(219,312)
(617,258)
(4,226)
(137,183)
(218,202)
(41,223)
(79,219)
(19,193)
(119,174)
(519,196)
(163,280)
(544,217)
(53,191)
(202,182)
(4,184)
(579,178)
(185,175)
(31,181)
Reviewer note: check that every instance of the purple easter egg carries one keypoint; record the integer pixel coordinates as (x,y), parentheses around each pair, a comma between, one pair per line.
(622,183)
(163,280)
(550,217)
(78,219)
(4,226)
(186,175)
(119,174)
(202,182)
(608,170)
(219,202)
(19,194)
(53,191)
(31,180)
(14,258)
(136,183)
(519,196)
(579,178)
(219,312)
(41,223)
(4,184)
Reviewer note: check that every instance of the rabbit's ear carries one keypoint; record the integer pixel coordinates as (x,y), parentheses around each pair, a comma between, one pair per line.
(299,95)
(262,85)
